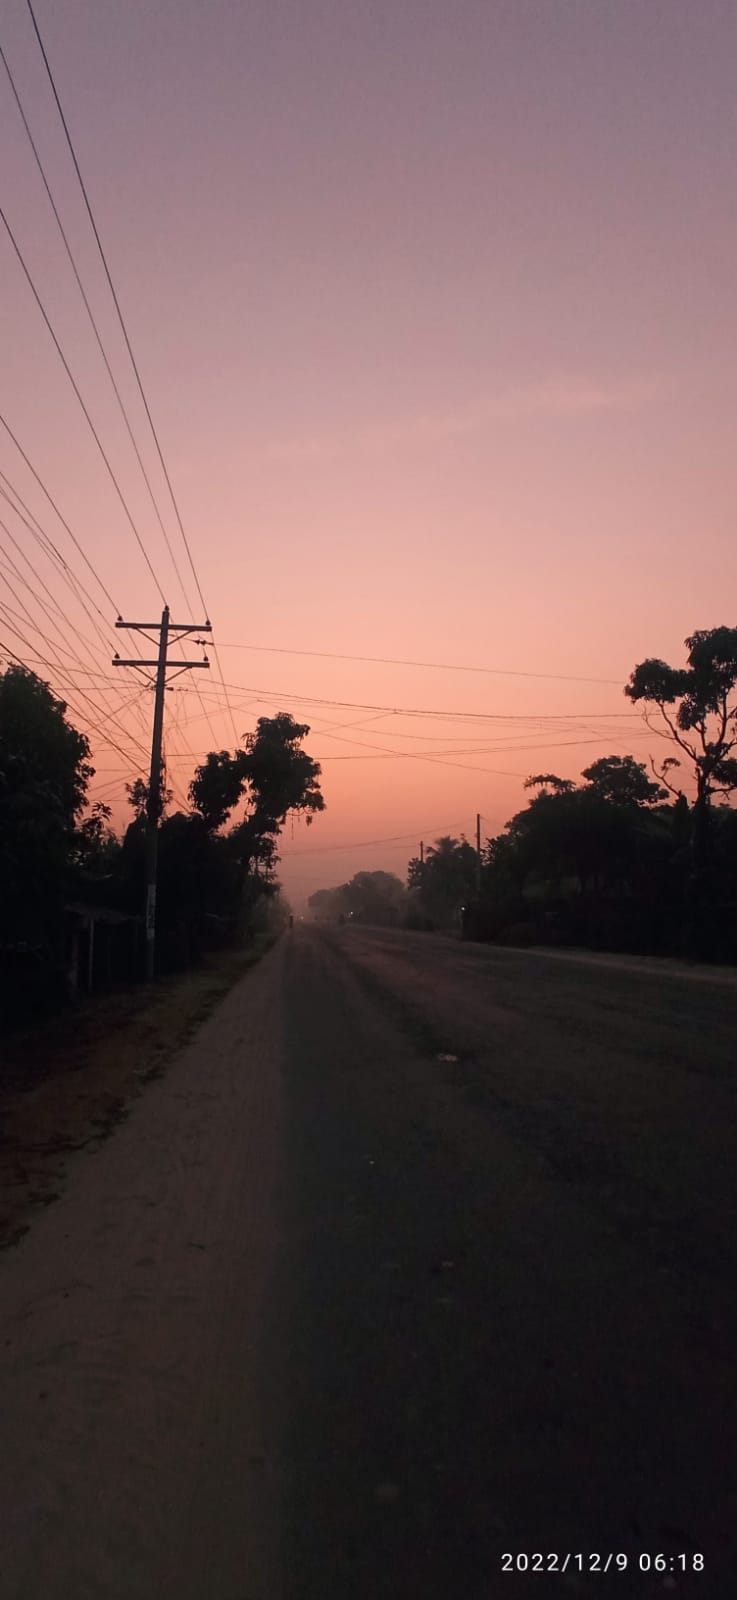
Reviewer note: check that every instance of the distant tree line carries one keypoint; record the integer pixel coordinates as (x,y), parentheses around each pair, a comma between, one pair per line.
(622,860)
(62,866)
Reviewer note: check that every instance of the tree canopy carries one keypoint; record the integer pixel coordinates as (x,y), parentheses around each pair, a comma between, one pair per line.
(379,898)
(44,775)
(696,709)
(271,772)
(445,880)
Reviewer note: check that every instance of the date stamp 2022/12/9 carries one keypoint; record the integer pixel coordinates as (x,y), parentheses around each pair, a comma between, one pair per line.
(596,1561)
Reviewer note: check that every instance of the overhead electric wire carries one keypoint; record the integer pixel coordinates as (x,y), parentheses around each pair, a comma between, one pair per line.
(57,666)
(54,668)
(15,569)
(419,711)
(98,337)
(62,519)
(129,347)
(53,556)
(71,575)
(125,705)
(86,644)
(93,322)
(439,756)
(418,755)
(112,288)
(400,661)
(438,830)
(80,398)
(39,579)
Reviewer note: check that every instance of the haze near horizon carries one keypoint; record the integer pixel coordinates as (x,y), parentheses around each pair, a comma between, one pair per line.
(434,309)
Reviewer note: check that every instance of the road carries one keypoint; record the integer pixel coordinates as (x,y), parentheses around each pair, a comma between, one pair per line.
(422,1254)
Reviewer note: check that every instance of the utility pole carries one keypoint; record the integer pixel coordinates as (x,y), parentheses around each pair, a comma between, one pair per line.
(478,853)
(422,854)
(165,628)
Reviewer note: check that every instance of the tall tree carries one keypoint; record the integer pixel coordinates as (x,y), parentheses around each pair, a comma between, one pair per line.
(622,781)
(446,880)
(218,786)
(695,708)
(275,777)
(44,774)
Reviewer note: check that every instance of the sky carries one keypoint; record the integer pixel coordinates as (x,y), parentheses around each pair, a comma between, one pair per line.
(433,304)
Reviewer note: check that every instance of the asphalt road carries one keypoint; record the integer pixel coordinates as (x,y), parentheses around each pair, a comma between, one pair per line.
(421,1256)
(512,1273)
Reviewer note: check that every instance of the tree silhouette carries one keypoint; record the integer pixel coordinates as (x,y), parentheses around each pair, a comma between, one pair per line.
(44,774)
(696,710)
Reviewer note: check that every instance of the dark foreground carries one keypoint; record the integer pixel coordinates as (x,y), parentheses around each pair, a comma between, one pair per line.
(333,1318)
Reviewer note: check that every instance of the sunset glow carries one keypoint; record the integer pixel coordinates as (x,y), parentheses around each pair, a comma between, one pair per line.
(434,308)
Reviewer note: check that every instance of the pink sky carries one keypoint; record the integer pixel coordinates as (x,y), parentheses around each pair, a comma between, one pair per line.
(434,306)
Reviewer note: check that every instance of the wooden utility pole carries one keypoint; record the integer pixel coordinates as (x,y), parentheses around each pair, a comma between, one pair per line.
(478,853)
(164,628)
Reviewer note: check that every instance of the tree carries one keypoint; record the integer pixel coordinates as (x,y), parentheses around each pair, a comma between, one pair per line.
(276,778)
(137,793)
(415,873)
(622,781)
(184,887)
(94,845)
(697,712)
(272,772)
(375,897)
(44,775)
(328,905)
(546,781)
(447,879)
(587,830)
(218,786)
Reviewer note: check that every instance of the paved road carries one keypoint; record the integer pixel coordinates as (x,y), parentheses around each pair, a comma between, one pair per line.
(422,1253)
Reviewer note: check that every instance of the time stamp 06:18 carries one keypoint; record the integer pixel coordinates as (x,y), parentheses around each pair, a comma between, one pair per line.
(595,1562)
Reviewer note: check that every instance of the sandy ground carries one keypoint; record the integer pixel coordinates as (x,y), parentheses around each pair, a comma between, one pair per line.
(68,1081)
(420,1254)
(132,1433)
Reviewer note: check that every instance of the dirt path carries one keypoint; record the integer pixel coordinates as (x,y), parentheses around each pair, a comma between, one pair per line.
(133,1430)
(420,1253)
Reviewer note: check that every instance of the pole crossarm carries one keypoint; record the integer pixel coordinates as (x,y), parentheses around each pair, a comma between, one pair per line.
(174,627)
(118,662)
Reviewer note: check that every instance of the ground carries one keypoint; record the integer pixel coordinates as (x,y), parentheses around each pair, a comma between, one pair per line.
(65,1083)
(420,1255)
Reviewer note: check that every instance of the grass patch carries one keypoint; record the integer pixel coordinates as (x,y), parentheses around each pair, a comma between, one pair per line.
(67,1083)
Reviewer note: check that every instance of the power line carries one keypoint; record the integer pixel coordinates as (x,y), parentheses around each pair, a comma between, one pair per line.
(417,711)
(54,668)
(62,519)
(439,756)
(65,648)
(39,579)
(78,393)
(48,611)
(128,345)
(53,556)
(67,571)
(93,322)
(439,829)
(439,666)
(43,542)
(96,331)
(438,760)
(113,291)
